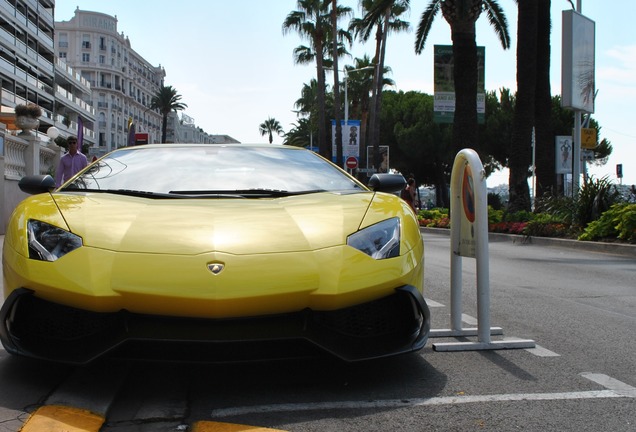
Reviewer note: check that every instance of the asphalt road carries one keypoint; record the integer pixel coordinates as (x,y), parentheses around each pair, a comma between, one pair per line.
(577,305)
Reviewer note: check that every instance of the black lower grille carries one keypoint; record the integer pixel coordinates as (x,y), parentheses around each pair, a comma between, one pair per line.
(55,322)
(390,315)
(38,328)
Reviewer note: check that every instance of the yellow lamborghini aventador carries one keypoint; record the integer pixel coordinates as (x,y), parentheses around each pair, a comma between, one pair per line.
(215,253)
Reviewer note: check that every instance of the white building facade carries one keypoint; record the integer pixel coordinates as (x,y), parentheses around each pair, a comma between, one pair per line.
(122,81)
(181,128)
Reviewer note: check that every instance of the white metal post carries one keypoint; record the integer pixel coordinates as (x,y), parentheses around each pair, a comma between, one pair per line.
(469,238)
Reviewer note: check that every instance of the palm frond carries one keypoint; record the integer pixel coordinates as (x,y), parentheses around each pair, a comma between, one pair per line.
(426,22)
(498,22)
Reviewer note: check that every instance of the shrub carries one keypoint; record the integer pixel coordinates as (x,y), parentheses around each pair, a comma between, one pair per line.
(618,222)
(548,225)
(519,216)
(594,198)
(28,110)
(495,215)
(495,201)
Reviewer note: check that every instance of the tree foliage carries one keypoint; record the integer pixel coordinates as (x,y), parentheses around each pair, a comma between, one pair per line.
(165,101)
(270,127)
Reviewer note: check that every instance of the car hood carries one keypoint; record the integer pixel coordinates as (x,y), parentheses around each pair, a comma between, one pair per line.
(195,226)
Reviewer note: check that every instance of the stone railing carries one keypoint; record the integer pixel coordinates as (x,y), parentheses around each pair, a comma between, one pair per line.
(21,155)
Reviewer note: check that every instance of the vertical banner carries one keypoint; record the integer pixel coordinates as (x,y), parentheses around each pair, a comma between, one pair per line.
(563,151)
(350,140)
(80,133)
(444,84)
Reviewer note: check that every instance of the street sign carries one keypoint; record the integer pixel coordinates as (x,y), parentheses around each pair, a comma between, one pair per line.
(588,138)
(352,162)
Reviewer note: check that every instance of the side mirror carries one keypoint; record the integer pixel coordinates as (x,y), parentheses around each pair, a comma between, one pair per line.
(391,183)
(36,184)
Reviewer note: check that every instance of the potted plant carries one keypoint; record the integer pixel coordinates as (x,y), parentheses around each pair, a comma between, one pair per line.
(27,117)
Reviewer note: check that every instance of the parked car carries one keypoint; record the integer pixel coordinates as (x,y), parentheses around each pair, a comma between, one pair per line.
(213,253)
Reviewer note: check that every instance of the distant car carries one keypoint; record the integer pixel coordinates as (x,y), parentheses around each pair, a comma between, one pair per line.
(215,253)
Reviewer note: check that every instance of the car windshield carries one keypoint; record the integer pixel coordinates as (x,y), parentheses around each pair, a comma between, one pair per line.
(210,170)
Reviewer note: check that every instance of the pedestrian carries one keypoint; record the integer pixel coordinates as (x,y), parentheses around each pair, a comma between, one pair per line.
(408,193)
(71,163)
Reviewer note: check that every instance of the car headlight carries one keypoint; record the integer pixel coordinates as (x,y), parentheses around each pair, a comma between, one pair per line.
(379,241)
(48,242)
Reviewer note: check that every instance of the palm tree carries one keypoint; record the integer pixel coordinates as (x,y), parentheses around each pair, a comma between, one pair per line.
(300,134)
(311,21)
(270,127)
(461,15)
(546,180)
(307,107)
(383,16)
(166,100)
(521,146)
(359,88)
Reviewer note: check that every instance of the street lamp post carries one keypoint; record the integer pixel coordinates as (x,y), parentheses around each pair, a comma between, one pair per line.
(346,82)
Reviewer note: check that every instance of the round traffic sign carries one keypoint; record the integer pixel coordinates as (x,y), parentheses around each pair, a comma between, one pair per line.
(352,162)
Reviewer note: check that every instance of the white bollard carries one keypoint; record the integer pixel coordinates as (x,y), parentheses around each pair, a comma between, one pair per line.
(469,238)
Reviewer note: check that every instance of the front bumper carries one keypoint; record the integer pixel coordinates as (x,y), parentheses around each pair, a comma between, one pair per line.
(32,327)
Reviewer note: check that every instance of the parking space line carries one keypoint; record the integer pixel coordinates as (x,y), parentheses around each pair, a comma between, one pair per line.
(538,350)
(611,383)
(433,303)
(614,389)
(469,320)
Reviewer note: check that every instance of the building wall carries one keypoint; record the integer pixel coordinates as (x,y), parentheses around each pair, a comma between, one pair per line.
(122,81)
(29,72)
(182,129)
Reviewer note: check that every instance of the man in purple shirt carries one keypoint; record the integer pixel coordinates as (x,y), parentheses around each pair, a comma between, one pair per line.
(71,163)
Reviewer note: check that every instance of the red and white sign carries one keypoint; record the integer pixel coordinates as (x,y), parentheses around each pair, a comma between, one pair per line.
(352,162)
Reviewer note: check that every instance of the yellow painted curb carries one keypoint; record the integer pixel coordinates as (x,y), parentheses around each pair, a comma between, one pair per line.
(53,418)
(208,426)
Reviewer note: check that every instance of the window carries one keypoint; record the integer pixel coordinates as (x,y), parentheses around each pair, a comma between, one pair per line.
(86,57)
(102,59)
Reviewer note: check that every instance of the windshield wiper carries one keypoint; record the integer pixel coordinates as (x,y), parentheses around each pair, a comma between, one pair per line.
(127,192)
(243,193)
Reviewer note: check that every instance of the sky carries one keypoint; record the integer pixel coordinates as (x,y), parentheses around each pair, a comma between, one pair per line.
(234,67)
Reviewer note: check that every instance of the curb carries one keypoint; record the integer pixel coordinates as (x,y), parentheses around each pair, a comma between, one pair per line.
(624,249)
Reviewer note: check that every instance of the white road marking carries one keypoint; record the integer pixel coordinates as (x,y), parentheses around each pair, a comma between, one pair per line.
(540,351)
(433,303)
(610,383)
(614,389)
(469,320)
